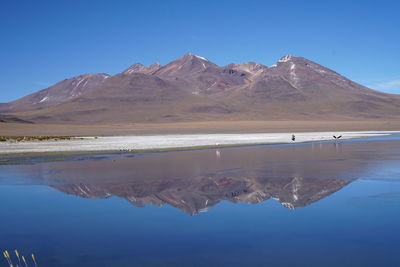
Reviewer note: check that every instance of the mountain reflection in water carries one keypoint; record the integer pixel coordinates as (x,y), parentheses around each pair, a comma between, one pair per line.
(199,194)
(193,181)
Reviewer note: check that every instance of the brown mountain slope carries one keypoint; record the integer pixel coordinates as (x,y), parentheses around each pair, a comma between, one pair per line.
(61,92)
(122,98)
(192,88)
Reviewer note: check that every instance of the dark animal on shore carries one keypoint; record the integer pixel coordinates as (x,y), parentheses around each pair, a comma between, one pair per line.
(293,137)
(337,137)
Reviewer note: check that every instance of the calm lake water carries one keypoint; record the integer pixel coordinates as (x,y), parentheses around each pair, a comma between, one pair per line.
(315,204)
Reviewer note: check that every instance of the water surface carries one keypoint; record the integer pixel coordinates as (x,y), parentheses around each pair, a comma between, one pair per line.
(318,204)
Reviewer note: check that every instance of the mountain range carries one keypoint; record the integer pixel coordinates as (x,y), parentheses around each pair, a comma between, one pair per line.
(193,88)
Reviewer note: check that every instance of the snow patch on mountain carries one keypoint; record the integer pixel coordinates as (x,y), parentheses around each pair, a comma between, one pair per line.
(79,81)
(285,58)
(44,99)
(202,58)
(293,76)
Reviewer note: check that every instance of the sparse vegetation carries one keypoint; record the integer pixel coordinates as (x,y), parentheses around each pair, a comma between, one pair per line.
(33,138)
(19,259)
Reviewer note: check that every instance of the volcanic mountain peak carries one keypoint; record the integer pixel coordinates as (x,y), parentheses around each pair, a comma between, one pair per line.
(190,55)
(187,59)
(72,87)
(140,68)
(290,62)
(194,60)
(285,58)
(186,65)
(249,67)
(137,67)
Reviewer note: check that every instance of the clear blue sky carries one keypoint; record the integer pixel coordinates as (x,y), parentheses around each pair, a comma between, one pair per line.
(43,42)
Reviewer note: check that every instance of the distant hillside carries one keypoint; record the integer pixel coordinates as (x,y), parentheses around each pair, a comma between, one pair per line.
(9,119)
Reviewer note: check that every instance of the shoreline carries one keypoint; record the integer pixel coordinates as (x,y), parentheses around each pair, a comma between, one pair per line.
(149,143)
(197,127)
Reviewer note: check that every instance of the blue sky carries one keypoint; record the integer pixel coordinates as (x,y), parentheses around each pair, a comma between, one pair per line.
(43,42)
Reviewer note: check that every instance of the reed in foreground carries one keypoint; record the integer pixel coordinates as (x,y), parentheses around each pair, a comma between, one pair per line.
(19,260)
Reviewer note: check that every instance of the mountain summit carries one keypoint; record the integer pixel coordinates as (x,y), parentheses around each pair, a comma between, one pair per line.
(192,88)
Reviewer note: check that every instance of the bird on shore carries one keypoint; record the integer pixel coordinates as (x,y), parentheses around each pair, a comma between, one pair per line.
(337,137)
(293,137)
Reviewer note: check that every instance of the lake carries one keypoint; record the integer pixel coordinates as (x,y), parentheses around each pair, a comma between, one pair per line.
(312,204)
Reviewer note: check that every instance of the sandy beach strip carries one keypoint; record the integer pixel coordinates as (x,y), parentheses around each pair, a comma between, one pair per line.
(176,141)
